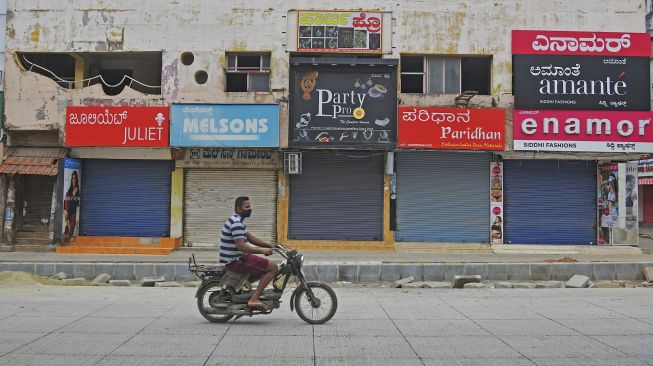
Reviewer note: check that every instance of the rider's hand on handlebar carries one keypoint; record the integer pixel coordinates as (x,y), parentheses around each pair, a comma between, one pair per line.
(268,251)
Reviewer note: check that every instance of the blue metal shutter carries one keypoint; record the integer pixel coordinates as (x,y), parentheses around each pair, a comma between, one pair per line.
(443,197)
(125,198)
(338,196)
(549,202)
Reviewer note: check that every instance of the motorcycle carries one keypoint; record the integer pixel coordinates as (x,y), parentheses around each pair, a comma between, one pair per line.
(223,294)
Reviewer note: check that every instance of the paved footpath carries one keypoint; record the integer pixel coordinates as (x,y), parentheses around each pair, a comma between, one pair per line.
(374,326)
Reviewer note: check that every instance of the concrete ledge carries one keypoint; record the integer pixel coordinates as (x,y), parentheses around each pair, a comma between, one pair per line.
(362,272)
(565,249)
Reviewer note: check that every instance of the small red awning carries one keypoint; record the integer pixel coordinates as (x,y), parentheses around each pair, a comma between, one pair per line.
(645,181)
(32,160)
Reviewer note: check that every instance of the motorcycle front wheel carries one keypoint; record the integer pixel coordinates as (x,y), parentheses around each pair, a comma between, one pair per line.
(208,297)
(321,309)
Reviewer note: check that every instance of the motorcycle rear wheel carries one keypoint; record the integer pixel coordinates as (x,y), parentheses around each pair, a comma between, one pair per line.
(322,310)
(209,296)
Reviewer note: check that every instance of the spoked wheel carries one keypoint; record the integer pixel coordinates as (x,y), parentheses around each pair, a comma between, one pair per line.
(209,297)
(321,309)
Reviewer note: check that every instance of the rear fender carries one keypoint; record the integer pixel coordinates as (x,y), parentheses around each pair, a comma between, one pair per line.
(205,284)
(294,293)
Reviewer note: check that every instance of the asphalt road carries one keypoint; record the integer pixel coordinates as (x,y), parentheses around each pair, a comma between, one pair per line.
(374,326)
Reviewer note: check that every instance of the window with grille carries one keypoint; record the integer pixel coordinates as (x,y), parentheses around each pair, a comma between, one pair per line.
(445,74)
(248,72)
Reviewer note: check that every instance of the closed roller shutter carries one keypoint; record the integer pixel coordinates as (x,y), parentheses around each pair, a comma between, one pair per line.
(549,202)
(338,196)
(125,198)
(209,197)
(443,197)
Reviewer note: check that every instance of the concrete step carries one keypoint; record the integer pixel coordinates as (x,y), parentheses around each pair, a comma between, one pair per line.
(118,245)
(34,248)
(113,250)
(35,228)
(29,235)
(564,249)
(443,248)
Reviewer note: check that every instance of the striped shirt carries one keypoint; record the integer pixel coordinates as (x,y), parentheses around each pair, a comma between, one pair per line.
(233,228)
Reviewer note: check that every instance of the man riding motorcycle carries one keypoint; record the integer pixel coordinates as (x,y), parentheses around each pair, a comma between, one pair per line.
(239,256)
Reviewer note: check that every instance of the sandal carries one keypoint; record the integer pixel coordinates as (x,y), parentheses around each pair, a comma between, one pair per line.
(259,306)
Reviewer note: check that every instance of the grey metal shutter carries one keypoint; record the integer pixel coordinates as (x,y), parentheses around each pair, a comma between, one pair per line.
(125,198)
(443,197)
(338,196)
(549,202)
(209,196)
(38,198)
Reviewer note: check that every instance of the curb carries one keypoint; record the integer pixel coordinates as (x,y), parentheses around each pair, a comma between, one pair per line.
(360,272)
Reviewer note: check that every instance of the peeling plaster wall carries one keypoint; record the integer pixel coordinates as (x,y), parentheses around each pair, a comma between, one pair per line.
(209,29)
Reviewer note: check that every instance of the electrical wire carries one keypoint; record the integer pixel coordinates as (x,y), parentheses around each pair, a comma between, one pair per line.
(97,77)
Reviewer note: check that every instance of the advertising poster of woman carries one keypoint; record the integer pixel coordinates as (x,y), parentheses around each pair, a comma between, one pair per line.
(71,197)
(496,203)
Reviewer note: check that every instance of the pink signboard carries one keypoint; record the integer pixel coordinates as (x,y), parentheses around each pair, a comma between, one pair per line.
(545,42)
(591,131)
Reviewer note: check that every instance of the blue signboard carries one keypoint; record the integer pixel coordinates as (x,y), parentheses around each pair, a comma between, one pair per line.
(228,125)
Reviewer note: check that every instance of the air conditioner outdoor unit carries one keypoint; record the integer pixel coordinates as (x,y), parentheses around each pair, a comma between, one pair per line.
(292,163)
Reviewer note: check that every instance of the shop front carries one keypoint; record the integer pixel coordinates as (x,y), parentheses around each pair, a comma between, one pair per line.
(443,186)
(125,170)
(32,176)
(228,151)
(645,190)
(568,103)
(342,124)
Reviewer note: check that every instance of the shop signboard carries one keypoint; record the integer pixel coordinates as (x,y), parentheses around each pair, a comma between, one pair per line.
(117,126)
(451,128)
(583,131)
(343,106)
(224,125)
(230,158)
(581,70)
(71,197)
(339,31)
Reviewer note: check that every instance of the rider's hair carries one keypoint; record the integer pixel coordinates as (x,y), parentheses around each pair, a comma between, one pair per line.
(240,200)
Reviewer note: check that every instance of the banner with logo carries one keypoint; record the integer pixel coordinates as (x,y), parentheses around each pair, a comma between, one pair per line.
(581,70)
(339,31)
(581,82)
(230,158)
(343,106)
(583,131)
(227,125)
(117,126)
(451,128)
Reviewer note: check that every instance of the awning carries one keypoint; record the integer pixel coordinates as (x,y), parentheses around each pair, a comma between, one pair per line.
(32,160)
(645,181)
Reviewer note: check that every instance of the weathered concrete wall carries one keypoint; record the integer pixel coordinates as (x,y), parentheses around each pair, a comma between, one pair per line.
(209,29)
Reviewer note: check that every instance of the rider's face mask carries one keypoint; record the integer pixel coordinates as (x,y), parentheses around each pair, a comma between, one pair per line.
(246,213)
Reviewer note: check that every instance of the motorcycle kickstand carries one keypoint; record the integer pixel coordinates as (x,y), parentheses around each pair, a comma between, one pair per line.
(236,318)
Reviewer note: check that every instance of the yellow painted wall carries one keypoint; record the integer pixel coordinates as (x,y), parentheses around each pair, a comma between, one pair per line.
(176,203)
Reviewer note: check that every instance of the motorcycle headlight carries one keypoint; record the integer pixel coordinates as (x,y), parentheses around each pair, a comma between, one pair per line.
(300,261)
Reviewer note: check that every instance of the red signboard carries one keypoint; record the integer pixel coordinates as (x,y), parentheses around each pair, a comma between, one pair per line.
(451,128)
(117,126)
(600,131)
(536,42)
